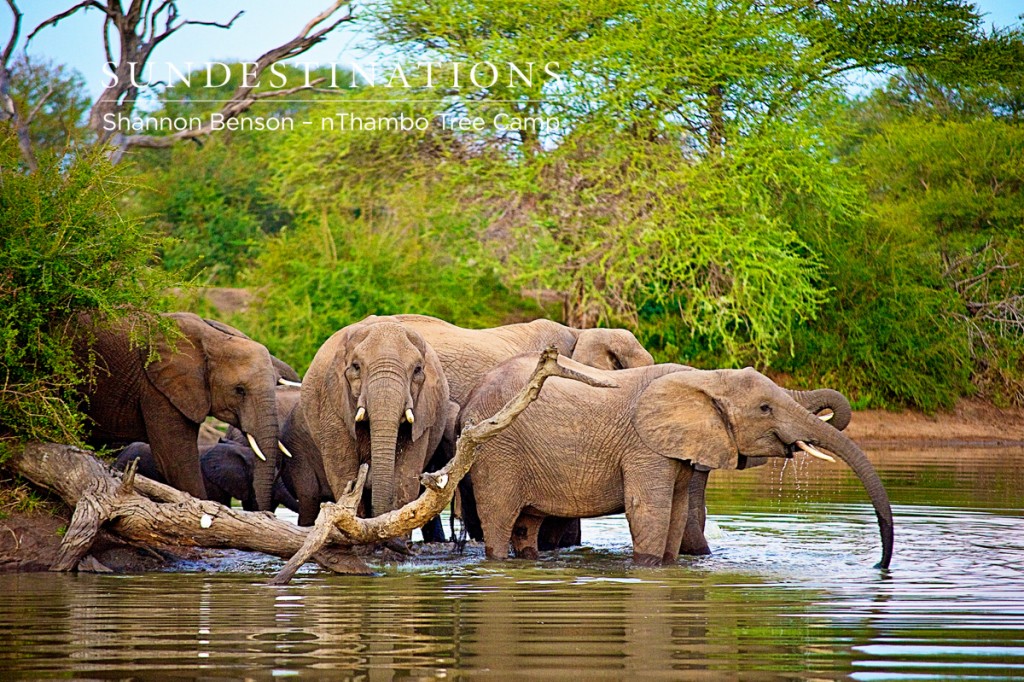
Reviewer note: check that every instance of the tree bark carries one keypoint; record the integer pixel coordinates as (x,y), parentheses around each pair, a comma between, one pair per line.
(143,511)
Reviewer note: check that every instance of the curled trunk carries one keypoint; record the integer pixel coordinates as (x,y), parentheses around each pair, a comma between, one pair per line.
(822,398)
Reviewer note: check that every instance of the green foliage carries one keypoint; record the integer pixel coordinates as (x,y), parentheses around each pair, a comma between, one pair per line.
(67,248)
(323,275)
(54,98)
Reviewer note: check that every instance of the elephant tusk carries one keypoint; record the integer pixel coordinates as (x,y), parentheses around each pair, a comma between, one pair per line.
(826,417)
(285,382)
(409,416)
(814,452)
(255,448)
(360,414)
(283,449)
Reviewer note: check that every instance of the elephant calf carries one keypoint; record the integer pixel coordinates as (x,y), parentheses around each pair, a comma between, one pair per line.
(227,472)
(582,451)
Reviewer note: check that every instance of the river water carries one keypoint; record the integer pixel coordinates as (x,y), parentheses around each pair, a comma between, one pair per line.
(789,593)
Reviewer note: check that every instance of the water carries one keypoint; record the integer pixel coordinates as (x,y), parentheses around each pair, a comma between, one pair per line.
(790,593)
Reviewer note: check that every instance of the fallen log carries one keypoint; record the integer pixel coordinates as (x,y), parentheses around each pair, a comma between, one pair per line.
(439,486)
(144,512)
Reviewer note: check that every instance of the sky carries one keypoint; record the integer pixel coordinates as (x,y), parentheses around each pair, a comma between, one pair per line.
(77,40)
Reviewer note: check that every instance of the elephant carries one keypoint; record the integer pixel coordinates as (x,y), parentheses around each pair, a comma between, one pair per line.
(227,467)
(374,392)
(468,354)
(582,451)
(815,401)
(160,392)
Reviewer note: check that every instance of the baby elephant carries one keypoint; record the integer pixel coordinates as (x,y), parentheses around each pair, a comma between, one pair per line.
(227,472)
(582,451)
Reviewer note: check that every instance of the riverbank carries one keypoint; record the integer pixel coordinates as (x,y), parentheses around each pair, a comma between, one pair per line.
(972,422)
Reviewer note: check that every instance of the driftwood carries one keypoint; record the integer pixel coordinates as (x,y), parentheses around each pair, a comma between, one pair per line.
(142,511)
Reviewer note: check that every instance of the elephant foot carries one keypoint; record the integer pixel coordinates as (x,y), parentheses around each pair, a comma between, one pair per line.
(398,546)
(646,560)
(528,553)
(695,549)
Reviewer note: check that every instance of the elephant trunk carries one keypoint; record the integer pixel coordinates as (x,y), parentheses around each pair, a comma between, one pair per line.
(840,445)
(385,407)
(822,398)
(264,434)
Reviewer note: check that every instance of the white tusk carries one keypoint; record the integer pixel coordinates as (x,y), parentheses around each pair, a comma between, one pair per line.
(442,481)
(255,448)
(283,449)
(285,382)
(360,414)
(410,418)
(826,417)
(814,452)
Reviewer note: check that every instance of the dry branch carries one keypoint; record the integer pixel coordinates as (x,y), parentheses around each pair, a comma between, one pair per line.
(143,511)
(140,28)
(440,485)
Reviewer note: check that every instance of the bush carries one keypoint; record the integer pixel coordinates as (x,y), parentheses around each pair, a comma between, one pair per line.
(67,248)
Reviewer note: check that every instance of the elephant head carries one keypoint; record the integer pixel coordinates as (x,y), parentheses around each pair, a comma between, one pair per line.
(386,380)
(231,377)
(610,349)
(715,418)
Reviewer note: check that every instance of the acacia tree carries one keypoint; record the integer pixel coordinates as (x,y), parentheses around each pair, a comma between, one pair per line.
(130,35)
(685,129)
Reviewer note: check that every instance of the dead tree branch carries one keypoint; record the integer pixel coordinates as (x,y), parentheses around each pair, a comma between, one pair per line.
(9,110)
(440,485)
(144,26)
(143,511)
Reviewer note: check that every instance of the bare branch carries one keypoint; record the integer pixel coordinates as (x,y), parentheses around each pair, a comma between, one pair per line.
(55,19)
(440,486)
(15,32)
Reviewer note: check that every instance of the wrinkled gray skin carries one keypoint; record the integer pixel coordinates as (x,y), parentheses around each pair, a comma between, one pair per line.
(468,354)
(227,472)
(384,368)
(816,401)
(581,451)
(211,370)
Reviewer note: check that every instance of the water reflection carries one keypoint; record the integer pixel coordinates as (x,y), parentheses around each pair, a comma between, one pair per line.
(789,593)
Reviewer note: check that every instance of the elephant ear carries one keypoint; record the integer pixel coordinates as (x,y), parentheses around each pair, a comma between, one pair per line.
(180,372)
(283,369)
(610,349)
(678,417)
(432,406)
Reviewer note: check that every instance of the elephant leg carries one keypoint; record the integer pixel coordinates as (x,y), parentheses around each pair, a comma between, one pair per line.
(694,543)
(469,515)
(174,444)
(648,503)
(680,509)
(524,536)
(557,531)
(433,530)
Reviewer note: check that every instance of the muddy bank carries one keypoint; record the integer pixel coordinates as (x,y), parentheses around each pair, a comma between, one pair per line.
(971,422)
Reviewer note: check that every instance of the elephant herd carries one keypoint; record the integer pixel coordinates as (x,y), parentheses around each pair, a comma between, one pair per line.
(393,391)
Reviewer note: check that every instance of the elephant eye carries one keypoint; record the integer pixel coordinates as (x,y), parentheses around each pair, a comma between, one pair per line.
(355,367)
(240,390)
(418,370)
(766,408)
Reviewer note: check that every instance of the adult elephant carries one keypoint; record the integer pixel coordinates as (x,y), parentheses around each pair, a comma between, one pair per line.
(581,451)
(160,392)
(816,401)
(468,354)
(228,470)
(374,392)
